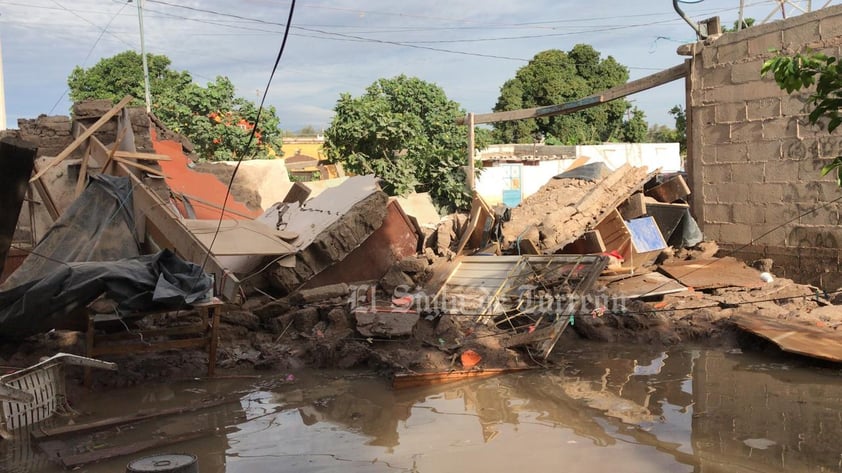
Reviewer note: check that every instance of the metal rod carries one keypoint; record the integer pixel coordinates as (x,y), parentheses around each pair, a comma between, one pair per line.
(143,55)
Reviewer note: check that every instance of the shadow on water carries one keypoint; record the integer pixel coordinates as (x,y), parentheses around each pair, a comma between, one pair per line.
(611,408)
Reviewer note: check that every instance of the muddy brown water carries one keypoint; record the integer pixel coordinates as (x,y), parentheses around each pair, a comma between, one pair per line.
(610,408)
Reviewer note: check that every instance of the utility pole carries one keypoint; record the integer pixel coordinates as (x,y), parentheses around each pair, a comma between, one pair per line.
(143,55)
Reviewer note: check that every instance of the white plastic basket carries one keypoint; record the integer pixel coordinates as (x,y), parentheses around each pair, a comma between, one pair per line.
(36,393)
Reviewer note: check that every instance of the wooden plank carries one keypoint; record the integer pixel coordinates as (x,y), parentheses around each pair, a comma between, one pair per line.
(644,285)
(142,167)
(43,432)
(590,242)
(74,461)
(414,380)
(115,147)
(713,273)
(633,207)
(793,336)
(83,174)
(639,85)
(46,197)
(239,237)
(87,133)
(671,190)
(142,156)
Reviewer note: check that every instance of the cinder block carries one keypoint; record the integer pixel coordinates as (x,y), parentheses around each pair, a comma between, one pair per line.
(717,173)
(768,234)
(748,213)
(781,213)
(810,169)
(743,92)
(732,52)
(798,36)
(718,213)
(730,112)
(712,231)
(703,115)
(780,128)
(730,193)
(746,173)
(794,105)
(818,214)
(764,109)
(732,153)
(746,72)
(830,27)
(760,45)
(746,132)
(798,150)
(829,146)
(781,171)
(708,57)
(707,154)
(716,77)
(764,151)
(763,192)
(715,134)
(738,233)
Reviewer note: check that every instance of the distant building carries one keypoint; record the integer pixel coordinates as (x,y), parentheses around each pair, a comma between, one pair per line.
(513,172)
(304,145)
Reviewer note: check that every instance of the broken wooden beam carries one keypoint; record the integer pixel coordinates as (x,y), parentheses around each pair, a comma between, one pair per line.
(87,133)
(671,190)
(414,380)
(620,91)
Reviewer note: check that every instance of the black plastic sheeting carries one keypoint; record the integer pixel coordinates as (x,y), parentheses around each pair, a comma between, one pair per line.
(98,226)
(589,172)
(83,256)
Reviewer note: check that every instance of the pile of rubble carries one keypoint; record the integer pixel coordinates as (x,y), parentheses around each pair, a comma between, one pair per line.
(338,274)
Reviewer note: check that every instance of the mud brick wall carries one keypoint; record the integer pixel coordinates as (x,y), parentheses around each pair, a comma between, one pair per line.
(50,133)
(753,158)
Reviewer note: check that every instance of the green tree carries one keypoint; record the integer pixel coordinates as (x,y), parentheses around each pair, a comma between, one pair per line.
(747,22)
(403,130)
(802,71)
(555,77)
(634,129)
(215,120)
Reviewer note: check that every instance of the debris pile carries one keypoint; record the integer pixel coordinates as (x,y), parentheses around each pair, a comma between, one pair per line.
(338,274)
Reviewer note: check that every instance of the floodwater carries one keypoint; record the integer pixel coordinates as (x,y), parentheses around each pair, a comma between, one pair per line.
(610,408)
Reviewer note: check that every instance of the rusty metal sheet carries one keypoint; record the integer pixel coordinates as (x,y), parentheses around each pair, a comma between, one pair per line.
(713,273)
(645,285)
(794,337)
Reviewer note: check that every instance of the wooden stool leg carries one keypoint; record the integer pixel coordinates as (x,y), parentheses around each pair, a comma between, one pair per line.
(214,325)
(89,350)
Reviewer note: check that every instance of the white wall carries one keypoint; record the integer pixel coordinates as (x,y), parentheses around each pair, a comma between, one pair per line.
(666,156)
(490,182)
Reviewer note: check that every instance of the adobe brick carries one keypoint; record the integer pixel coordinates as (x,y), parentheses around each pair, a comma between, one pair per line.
(732,52)
(795,192)
(780,128)
(746,132)
(764,151)
(764,108)
(798,36)
(818,214)
(730,112)
(760,45)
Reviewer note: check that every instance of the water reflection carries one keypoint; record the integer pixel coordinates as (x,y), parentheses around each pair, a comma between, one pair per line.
(610,408)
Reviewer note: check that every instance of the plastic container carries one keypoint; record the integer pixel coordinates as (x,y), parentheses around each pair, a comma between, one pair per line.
(166,463)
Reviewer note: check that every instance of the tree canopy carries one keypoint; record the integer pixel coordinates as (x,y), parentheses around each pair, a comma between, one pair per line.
(554,77)
(212,117)
(403,130)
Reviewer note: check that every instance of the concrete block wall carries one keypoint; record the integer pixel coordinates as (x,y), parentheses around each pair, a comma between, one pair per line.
(754,160)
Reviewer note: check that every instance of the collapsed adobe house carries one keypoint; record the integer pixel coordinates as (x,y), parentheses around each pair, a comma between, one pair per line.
(753,158)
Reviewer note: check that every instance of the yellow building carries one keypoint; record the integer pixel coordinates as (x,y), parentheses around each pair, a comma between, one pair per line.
(307,146)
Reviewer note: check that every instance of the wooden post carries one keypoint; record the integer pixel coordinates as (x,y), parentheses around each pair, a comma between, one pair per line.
(471,145)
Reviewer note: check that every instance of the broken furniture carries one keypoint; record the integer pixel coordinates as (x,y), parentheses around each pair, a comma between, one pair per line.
(44,382)
(132,341)
(533,298)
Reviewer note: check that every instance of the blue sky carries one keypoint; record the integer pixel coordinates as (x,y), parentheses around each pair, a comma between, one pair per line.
(344,45)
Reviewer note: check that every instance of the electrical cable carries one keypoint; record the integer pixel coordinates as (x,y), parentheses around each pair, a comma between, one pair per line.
(253,132)
(91,50)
